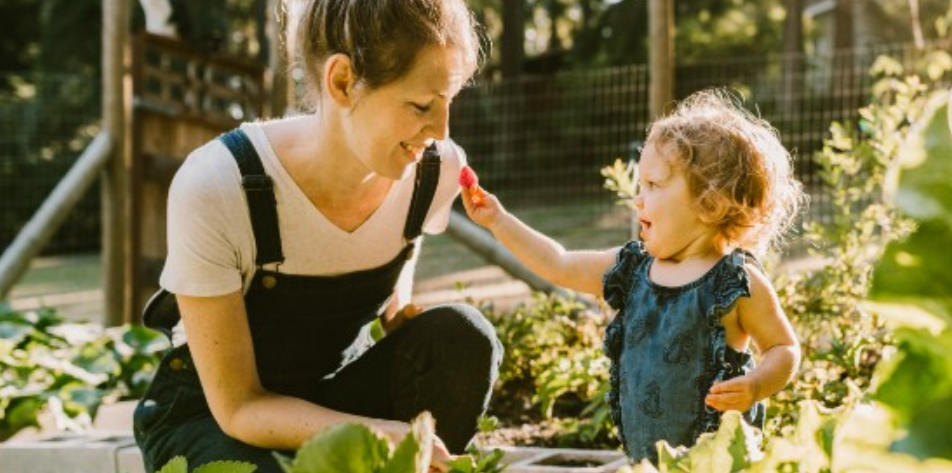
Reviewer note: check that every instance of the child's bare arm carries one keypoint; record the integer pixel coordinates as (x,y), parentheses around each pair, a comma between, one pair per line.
(577,270)
(762,318)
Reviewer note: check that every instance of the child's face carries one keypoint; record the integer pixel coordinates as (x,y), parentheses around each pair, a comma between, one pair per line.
(670,227)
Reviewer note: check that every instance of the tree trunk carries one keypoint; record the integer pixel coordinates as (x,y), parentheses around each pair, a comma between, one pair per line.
(793,59)
(661,57)
(916,24)
(842,74)
(843,30)
(116,263)
(276,77)
(513,37)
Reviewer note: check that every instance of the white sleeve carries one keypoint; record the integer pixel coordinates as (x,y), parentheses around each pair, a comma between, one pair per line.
(454,158)
(203,226)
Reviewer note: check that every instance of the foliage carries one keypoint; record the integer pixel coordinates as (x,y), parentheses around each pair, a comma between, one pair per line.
(68,370)
(180,465)
(903,429)
(346,448)
(554,362)
(842,341)
(919,265)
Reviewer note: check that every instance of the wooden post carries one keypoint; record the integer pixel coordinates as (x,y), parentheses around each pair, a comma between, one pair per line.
(661,57)
(793,60)
(276,75)
(513,37)
(115,14)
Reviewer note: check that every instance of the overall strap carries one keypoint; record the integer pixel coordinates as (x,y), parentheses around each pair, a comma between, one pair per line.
(424,188)
(259,190)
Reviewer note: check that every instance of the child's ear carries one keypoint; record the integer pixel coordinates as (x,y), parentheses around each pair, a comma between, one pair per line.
(340,80)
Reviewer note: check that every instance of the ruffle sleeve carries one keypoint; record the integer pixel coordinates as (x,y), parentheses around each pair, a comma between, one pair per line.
(618,279)
(732,282)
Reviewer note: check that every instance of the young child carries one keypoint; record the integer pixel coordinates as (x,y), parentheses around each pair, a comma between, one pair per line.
(715,188)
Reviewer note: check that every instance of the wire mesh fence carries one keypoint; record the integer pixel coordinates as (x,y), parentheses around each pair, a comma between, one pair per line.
(46,121)
(537,141)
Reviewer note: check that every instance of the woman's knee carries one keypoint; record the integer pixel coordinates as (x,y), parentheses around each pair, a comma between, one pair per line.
(462,328)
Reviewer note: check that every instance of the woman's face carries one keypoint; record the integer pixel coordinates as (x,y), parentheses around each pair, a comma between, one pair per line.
(390,126)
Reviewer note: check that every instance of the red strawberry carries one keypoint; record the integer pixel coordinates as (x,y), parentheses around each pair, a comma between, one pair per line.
(468,179)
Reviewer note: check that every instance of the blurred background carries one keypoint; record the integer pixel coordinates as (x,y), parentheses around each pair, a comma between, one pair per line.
(563,93)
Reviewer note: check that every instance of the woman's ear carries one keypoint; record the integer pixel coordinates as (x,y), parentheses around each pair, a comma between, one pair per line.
(339,80)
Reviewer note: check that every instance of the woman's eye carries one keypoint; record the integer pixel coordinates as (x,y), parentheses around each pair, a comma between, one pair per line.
(421,108)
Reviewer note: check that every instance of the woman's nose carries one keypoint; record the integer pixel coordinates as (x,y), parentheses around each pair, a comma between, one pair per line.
(439,125)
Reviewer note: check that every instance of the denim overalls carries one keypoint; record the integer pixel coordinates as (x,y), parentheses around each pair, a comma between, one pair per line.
(667,347)
(312,341)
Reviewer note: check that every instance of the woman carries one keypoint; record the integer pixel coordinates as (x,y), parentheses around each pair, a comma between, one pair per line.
(288,237)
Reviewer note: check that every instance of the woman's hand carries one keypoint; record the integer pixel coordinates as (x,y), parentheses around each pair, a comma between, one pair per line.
(735,394)
(402,316)
(440,457)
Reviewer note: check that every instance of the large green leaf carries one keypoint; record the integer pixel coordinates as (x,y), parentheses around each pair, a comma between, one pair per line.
(916,384)
(918,374)
(343,448)
(226,467)
(922,188)
(175,465)
(413,453)
(729,450)
(865,444)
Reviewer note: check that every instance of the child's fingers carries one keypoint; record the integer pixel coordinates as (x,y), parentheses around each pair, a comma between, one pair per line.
(725,402)
(731,385)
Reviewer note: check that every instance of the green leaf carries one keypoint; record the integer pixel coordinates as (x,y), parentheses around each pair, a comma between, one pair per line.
(462,464)
(413,453)
(284,461)
(671,459)
(175,465)
(342,448)
(489,463)
(729,450)
(226,467)
(918,374)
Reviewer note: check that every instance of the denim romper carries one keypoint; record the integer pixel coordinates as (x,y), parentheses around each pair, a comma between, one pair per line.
(667,347)
(311,337)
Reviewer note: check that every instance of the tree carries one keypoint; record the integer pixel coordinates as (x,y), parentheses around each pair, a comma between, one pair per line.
(20,23)
(793,60)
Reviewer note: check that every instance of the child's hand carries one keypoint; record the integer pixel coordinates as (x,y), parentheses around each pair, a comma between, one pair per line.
(735,394)
(481,206)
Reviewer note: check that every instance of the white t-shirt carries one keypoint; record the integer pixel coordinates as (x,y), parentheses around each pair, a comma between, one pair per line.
(211,246)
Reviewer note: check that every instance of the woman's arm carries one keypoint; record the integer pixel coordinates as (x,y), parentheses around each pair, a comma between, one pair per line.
(221,346)
(577,270)
(762,318)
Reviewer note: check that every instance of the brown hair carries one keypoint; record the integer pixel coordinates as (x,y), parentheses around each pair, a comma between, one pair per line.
(737,170)
(382,37)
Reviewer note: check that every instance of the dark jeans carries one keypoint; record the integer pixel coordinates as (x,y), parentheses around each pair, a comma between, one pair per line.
(444,361)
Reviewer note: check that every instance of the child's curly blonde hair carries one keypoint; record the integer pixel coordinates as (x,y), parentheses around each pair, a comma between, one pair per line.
(737,170)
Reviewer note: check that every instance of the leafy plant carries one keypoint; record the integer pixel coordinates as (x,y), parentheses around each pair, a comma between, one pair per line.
(67,369)
(346,448)
(554,362)
(180,465)
(904,429)
(843,341)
